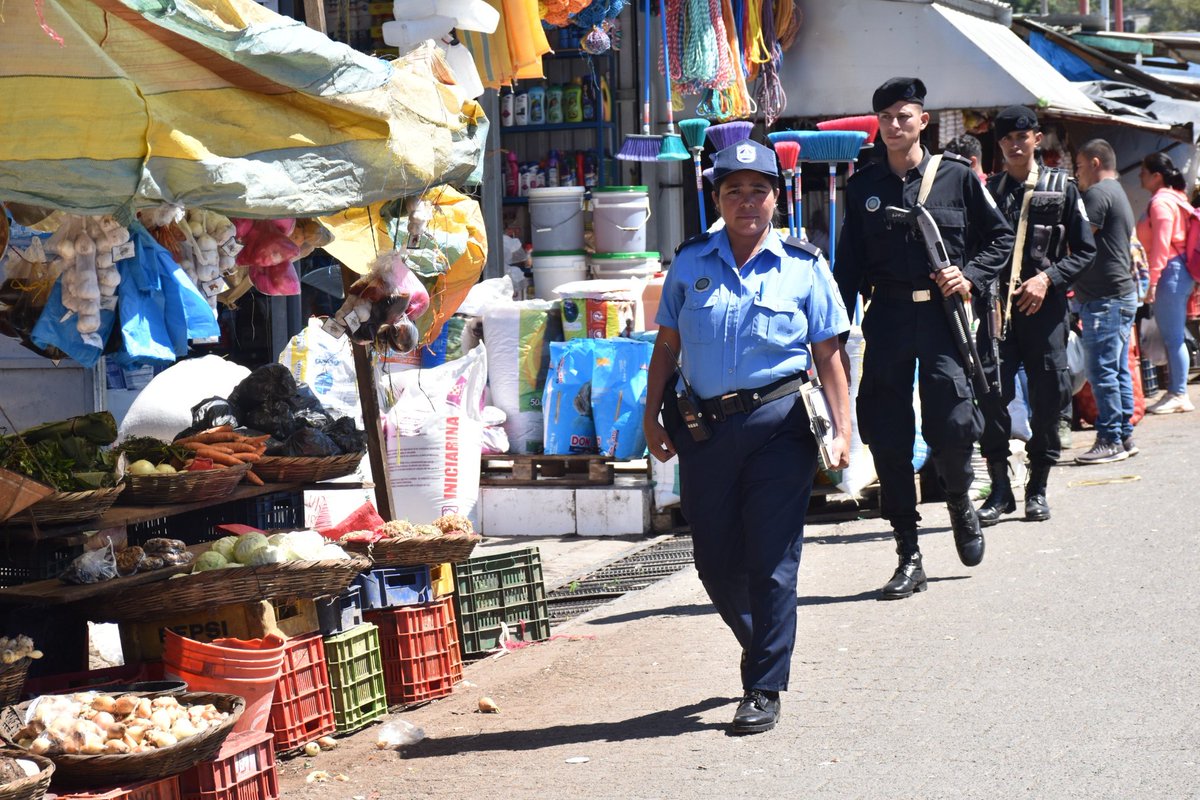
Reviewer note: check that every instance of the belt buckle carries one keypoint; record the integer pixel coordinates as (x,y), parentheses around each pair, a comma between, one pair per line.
(730,403)
(921,295)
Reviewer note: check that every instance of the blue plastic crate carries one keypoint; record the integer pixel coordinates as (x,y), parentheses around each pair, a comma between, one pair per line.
(341,612)
(395,586)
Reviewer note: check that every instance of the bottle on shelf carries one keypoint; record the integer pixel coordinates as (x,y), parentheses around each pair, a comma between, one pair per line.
(520,108)
(573,101)
(512,175)
(537,105)
(552,169)
(554,104)
(588,100)
(605,99)
(590,171)
(580,169)
(506,107)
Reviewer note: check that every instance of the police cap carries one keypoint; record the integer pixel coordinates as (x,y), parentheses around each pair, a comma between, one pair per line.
(1014,118)
(746,154)
(910,90)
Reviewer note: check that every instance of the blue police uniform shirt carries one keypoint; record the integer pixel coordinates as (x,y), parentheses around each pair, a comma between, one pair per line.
(742,329)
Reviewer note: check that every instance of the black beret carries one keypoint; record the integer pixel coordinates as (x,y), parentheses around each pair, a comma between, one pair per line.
(1014,118)
(910,90)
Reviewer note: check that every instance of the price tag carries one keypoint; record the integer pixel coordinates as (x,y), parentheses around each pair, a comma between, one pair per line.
(108,302)
(214,287)
(93,339)
(231,246)
(123,251)
(334,328)
(352,320)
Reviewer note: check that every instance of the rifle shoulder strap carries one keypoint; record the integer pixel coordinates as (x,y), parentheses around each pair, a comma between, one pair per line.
(927,179)
(1018,255)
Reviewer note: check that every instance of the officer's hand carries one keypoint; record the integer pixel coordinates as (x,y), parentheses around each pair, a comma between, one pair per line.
(952,281)
(657,440)
(839,453)
(1031,294)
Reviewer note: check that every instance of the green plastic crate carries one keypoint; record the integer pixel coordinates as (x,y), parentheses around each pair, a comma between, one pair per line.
(356,678)
(505,588)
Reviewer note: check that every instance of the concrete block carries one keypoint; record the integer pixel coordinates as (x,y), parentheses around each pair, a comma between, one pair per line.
(612,510)
(526,511)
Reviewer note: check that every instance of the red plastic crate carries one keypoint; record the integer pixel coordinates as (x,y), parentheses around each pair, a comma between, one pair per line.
(303,705)
(164,789)
(244,769)
(421,656)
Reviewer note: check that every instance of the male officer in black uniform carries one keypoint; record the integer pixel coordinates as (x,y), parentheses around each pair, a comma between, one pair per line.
(906,328)
(1054,245)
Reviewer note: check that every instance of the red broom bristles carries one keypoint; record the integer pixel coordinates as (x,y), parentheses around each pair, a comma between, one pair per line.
(789,154)
(867,123)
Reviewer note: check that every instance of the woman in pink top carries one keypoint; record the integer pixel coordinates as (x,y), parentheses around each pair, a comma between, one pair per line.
(1163,230)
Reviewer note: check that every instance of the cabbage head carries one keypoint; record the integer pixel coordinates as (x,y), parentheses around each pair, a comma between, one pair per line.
(247,544)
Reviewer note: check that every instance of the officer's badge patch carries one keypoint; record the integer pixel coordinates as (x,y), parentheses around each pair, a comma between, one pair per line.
(873,203)
(745,154)
(701,284)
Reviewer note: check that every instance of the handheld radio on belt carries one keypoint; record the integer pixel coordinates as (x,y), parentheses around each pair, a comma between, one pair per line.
(688,404)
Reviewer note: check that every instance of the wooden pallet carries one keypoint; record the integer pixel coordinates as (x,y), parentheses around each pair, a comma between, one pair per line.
(540,470)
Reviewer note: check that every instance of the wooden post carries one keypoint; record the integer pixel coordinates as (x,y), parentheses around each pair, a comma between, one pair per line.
(368,397)
(314,14)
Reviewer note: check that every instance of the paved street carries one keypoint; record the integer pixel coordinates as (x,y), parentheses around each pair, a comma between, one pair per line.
(1065,666)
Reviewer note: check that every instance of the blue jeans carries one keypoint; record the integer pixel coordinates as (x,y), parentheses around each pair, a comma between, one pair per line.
(1106,327)
(1170,310)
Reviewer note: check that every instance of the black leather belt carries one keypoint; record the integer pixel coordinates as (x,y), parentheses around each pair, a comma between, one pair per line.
(746,400)
(898,292)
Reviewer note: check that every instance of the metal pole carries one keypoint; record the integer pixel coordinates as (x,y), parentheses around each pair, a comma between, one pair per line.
(1119,15)
(1104,11)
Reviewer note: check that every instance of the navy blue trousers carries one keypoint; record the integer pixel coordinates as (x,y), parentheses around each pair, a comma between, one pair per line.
(744,493)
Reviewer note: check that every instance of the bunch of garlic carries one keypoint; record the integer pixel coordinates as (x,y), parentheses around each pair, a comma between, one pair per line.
(80,281)
(214,250)
(90,723)
(109,235)
(13,650)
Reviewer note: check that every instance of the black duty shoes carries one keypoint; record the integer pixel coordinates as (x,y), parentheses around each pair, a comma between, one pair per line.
(758,712)
(909,577)
(968,538)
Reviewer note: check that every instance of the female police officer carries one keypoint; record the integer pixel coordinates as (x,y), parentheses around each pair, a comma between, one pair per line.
(739,309)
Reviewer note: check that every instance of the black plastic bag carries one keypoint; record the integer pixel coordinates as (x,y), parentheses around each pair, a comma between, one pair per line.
(307,442)
(270,400)
(348,438)
(210,413)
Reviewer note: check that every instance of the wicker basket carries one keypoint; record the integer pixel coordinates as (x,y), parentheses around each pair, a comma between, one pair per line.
(63,507)
(298,469)
(114,770)
(417,549)
(18,492)
(220,587)
(12,680)
(183,487)
(35,786)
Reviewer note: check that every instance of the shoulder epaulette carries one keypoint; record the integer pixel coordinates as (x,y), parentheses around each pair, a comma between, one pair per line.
(701,237)
(803,244)
(866,170)
(948,156)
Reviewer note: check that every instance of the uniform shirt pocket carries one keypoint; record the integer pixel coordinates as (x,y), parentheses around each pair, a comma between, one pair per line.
(952,222)
(779,321)
(702,318)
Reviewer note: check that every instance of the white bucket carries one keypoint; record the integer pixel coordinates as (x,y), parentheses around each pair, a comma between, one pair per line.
(556,218)
(552,269)
(625,265)
(619,217)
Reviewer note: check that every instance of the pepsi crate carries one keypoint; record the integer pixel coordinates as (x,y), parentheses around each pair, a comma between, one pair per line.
(388,587)
(341,612)
(356,678)
(491,592)
(266,512)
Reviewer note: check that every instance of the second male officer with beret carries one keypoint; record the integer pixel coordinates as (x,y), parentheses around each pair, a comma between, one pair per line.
(1054,245)
(906,328)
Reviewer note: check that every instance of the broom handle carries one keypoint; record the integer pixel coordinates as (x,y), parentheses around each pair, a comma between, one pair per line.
(700,187)
(662,16)
(791,204)
(646,76)
(798,183)
(832,208)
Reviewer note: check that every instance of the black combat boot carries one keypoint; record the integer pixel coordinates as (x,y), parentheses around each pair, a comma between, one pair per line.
(968,538)
(1036,507)
(909,576)
(1001,500)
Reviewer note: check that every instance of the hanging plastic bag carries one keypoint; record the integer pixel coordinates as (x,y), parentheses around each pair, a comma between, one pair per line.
(58,327)
(619,395)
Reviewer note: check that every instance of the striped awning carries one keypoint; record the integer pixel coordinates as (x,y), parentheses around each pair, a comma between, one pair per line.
(111,105)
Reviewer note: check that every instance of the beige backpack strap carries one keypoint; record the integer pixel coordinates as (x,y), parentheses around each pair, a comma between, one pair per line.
(927,179)
(1018,256)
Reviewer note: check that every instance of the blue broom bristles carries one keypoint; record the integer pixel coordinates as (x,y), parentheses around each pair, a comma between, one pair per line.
(827,146)
(787,136)
(640,147)
(729,133)
(692,131)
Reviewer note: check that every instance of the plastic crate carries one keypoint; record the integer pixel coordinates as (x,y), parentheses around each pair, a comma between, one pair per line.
(275,511)
(356,678)
(419,650)
(441,577)
(340,613)
(493,591)
(164,789)
(41,561)
(395,586)
(303,706)
(244,769)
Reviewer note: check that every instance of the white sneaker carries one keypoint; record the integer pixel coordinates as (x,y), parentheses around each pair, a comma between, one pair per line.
(1172,404)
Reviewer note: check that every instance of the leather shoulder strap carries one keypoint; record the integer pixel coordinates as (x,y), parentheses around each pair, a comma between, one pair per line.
(927,179)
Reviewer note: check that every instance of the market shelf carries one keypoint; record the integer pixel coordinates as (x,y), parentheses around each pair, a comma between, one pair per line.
(557,126)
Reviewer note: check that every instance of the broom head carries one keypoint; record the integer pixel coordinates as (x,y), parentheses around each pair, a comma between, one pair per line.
(640,147)
(784,136)
(788,154)
(829,146)
(729,133)
(867,123)
(693,132)
(673,149)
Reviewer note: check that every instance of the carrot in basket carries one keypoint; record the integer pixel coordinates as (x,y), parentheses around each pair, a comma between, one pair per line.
(248,458)
(257,481)
(244,447)
(224,459)
(209,438)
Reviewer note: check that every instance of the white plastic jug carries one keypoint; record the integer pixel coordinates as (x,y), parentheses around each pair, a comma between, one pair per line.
(469,85)
(469,15)
(407,35)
